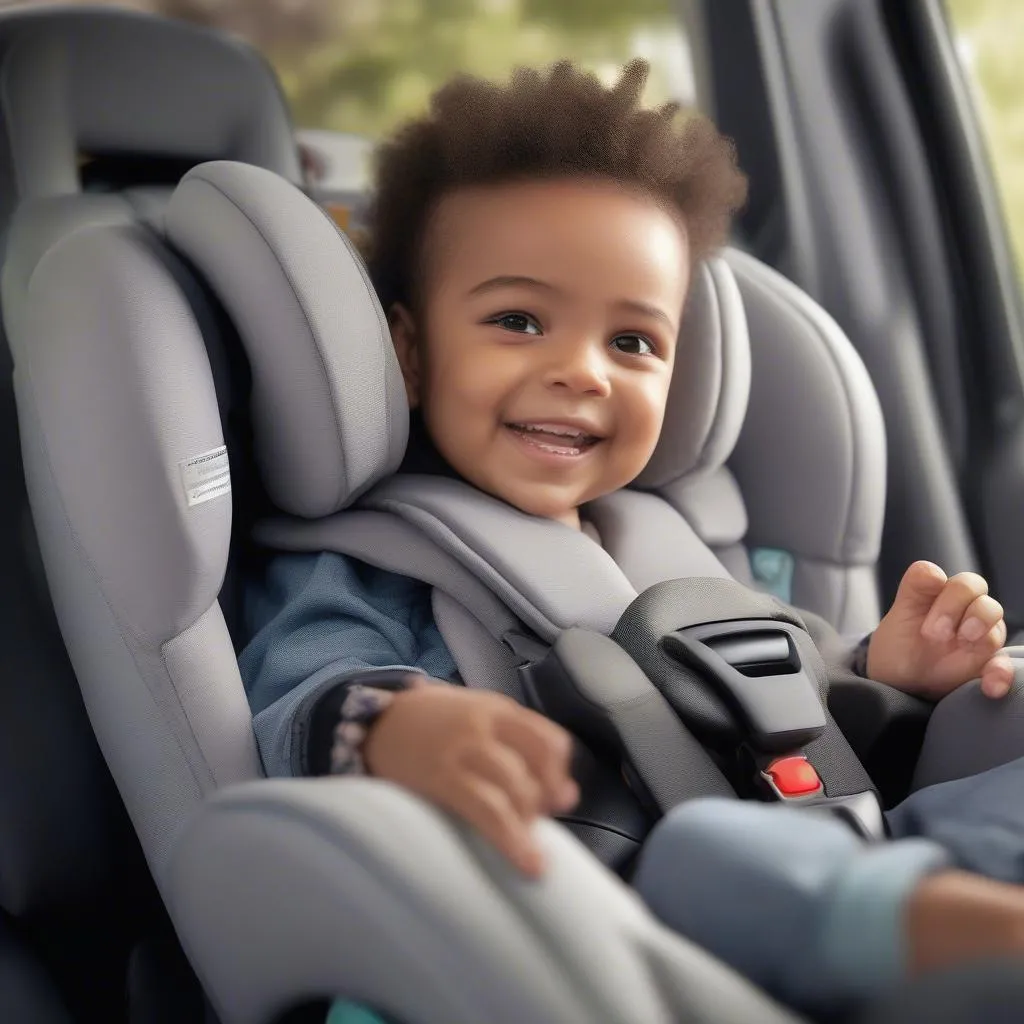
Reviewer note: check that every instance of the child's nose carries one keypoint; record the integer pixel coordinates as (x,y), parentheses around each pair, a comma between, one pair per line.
(580,368)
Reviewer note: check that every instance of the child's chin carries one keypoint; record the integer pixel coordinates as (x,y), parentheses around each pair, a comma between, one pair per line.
(542,507)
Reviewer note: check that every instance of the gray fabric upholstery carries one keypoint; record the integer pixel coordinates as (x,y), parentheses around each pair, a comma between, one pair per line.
(114,394)
(328,407)
(69,858)
(356,907)
(35,227)
(712,504)
(968,733)
(812,480)
(100,81)
(37,141)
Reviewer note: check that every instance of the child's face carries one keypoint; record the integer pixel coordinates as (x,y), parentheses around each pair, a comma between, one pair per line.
(542,350)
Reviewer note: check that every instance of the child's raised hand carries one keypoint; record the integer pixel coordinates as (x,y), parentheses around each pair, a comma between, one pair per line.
(481,756)
(940,633)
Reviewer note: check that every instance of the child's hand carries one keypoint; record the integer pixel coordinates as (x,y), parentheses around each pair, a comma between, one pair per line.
(940,633)
(481,756)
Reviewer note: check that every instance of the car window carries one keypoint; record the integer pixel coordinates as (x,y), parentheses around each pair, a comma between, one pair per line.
(368,65)
(989,39)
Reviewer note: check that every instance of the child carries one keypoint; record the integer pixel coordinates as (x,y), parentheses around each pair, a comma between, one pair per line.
(532,246)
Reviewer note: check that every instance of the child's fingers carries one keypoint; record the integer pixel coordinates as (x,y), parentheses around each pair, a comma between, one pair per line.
(980,619)
(997,677)
(948,609)
(489,810)
(504,768)
(921,585)
(547,751)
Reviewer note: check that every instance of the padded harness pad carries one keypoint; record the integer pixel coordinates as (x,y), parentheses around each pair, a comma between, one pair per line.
(329,413)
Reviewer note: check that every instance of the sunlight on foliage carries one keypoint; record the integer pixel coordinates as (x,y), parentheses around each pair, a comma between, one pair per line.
(383,58)
(990,42)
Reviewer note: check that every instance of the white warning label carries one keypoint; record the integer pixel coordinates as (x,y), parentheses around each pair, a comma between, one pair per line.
(206,476)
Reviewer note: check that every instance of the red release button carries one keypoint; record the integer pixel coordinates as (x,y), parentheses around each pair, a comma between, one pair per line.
(794,776)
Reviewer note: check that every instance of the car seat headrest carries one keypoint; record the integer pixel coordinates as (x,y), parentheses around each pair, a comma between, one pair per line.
(328,405)
(329,410)
(710,381)
(102,82)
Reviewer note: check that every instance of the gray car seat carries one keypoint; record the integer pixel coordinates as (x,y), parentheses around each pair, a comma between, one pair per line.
(287,889)
(265,879)
(103,110)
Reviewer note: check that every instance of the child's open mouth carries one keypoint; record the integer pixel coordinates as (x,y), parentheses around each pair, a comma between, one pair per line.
(554,438)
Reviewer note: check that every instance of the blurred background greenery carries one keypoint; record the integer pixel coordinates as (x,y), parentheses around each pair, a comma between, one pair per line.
(990,40)
(361,66)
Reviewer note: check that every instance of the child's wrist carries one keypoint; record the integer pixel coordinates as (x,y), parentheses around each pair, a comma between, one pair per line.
(362,708)
(315,729)
(859,657)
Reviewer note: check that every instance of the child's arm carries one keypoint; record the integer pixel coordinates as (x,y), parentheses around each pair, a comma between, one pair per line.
(336,673)
(318,622)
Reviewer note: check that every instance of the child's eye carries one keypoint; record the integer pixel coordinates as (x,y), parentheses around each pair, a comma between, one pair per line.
(633,345)
(520,323)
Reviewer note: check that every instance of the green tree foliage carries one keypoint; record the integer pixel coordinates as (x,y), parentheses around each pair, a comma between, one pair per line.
(990,39)
(383,58)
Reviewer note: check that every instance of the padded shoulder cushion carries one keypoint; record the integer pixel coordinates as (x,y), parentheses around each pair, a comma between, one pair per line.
(330,416)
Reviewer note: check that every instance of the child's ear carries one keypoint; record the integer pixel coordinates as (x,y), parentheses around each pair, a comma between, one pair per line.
(407,347)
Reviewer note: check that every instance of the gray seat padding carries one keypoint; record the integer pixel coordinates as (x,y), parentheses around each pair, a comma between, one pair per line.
(433,931)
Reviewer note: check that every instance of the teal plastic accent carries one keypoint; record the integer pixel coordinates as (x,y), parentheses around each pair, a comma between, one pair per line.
(773,571)
(352,1013)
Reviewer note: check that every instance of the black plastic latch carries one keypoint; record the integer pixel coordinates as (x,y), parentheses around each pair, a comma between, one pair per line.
(755,667)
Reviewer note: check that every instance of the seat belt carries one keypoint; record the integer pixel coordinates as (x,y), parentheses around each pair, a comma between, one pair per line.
(651,730)
(526,582)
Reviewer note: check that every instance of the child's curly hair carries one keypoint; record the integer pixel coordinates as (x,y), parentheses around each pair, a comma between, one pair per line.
(564,123)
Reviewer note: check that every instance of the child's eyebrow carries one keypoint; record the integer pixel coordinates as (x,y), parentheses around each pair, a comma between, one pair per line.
(645,308)
(511,280)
